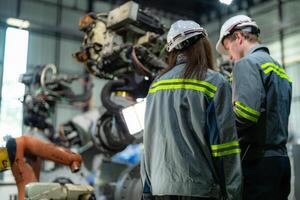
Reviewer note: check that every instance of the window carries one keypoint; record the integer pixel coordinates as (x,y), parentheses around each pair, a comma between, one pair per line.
(15,60)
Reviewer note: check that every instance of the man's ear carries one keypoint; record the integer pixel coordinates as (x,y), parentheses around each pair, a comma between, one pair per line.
(239,37)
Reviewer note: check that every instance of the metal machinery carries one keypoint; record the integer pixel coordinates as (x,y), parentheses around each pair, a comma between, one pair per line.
(44,88)
(43,191)
(126,48)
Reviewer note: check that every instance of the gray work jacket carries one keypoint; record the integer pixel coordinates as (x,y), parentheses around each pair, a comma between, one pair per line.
(190,141)
(262,94)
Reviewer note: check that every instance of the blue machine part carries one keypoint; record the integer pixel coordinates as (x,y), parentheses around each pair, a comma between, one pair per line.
(131,155)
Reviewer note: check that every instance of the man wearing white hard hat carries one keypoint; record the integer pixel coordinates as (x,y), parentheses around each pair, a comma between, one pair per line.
(191,150)
(262,94)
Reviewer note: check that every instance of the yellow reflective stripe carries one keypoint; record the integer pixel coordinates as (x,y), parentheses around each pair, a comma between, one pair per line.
(182,80)
(228,152)
(278,72)
(265,65)
(182,86)
(275,68)
(282,75)
(248,109)
(224,145)
(245,115)
(4,159)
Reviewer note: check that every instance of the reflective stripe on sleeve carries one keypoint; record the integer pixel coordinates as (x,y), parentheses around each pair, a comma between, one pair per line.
(225,153)
(246,112)
(224,145)
(224,149)
(272,67)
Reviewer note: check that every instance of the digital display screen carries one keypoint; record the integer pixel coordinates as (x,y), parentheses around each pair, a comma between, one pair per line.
(134,117)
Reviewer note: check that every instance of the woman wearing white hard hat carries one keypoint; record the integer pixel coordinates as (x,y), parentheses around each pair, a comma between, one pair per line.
(261,101)
(190,142)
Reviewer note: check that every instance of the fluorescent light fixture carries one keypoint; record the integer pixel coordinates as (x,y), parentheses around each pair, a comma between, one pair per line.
(15,61)
(18,23)
(227,2)
(134,117)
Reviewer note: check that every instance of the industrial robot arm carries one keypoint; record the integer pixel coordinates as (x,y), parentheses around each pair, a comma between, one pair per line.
(25,154)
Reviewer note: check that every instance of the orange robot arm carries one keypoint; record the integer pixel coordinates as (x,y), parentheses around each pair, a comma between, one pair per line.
(34,150)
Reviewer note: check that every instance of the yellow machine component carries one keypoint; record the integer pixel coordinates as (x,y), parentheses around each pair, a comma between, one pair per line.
(122,93)
(4,159)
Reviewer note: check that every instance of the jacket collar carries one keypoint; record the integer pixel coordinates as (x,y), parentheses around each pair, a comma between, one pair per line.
(180,59)
(258,47)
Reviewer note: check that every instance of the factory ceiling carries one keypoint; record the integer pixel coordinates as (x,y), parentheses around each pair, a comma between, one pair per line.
(200,10)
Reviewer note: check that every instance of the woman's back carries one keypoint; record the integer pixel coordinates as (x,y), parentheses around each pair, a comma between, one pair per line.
(190,141)
(176,133)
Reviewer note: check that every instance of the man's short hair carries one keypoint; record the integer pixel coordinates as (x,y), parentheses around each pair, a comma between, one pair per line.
(250,37)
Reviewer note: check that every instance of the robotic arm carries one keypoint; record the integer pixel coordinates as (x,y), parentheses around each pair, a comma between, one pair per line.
(44,88)
(25,154)
(125,47)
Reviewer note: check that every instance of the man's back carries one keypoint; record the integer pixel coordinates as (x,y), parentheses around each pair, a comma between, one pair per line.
(262,99)
(263,105)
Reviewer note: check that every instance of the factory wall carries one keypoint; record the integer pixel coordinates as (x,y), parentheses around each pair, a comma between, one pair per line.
(54,37)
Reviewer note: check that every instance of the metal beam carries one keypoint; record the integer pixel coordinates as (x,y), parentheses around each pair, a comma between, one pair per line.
(58,34)
(281,37)
(18,10)
(1,69)
(53,4)
(37,27)
(90,6)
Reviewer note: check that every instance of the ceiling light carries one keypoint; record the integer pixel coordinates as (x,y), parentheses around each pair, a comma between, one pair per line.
(18,23)
(227,2)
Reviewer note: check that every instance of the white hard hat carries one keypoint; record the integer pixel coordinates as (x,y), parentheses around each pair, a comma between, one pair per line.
(182,30)
(233,23)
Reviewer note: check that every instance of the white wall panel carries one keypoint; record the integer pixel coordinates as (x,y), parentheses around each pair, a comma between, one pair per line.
(67,62)
(64,113)
(70,19)
(8,7)
(291,11)
(102,7)
(69,2)
(82,4)
(294,125)
(1,75)
(274,48)
(294,73)
(292,48)
(38,12)
(41,49)
(2,43)
(263,8)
